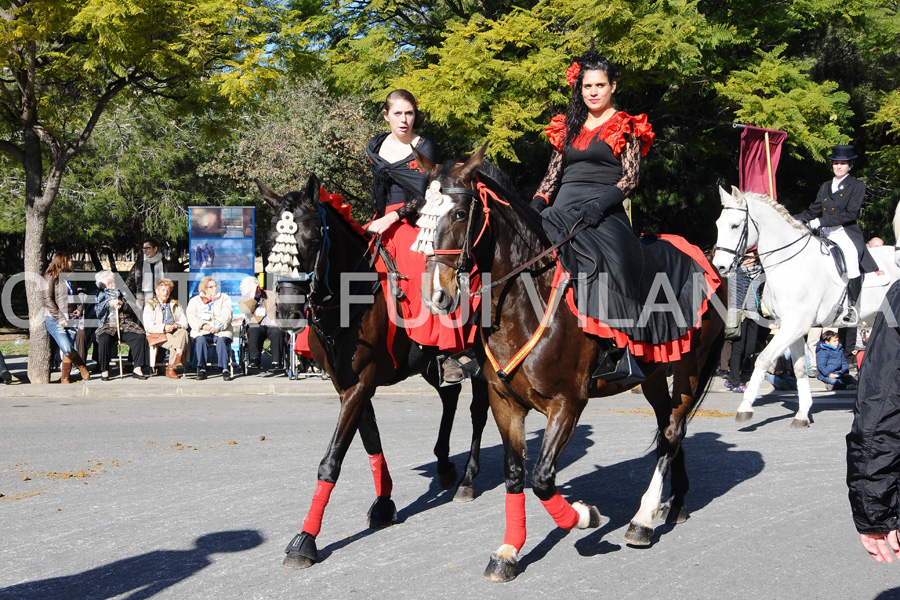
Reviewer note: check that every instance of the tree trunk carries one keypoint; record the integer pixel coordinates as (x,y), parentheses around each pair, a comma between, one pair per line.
(35,240)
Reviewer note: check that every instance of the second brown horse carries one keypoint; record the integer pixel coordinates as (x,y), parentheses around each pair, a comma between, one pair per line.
(497,231)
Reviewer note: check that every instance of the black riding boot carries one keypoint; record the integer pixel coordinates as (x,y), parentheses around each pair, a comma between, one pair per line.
(854,287)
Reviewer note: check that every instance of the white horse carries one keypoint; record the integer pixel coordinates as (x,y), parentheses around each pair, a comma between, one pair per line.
(803,288)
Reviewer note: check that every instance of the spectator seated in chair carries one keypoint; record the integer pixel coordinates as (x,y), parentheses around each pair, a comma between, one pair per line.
(117,323)
(258,307)
(166,324)
(209,315)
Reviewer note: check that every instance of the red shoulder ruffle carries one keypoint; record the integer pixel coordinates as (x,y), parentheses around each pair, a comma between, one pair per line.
(626,124)
(556,131)
(613,132)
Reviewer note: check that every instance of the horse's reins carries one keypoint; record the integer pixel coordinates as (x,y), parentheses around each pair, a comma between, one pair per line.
(483,193)
(742,242)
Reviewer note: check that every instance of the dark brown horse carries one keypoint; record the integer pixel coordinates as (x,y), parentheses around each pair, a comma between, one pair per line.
(352,340)
(555,378)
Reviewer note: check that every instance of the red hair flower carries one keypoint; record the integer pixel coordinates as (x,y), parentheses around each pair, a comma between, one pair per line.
(572,73)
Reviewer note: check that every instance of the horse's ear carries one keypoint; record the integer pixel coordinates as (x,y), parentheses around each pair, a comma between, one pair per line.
(268,195)
(737,194)
(725,196)
(425,164)
(472,165)
(313,188)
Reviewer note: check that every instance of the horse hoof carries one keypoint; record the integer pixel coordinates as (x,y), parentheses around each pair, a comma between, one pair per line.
(382,513)
(799,424)
(638,535)
(301,552)
(464,493)
(502,568)
(590,516)
(743,416)
(448,478)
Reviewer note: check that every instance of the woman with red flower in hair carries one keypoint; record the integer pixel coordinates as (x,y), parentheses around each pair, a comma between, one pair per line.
(597,151)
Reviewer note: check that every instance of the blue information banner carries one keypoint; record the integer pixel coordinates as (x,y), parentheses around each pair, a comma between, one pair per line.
(222,244)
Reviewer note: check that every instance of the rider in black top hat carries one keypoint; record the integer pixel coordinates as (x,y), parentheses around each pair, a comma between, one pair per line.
(835,210)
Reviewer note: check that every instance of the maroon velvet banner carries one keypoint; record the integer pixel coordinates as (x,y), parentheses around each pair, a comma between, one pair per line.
(754,166)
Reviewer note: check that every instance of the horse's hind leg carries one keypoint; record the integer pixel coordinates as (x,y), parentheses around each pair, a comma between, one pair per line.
(449,395)
(670,420)
(465,491)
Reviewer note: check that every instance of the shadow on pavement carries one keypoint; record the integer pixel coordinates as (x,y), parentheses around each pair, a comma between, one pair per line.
(712,466)
(143,576)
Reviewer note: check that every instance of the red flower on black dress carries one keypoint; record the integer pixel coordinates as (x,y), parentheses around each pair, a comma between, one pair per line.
(414,165)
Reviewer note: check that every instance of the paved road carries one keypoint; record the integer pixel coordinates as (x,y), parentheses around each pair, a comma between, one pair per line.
(167,490)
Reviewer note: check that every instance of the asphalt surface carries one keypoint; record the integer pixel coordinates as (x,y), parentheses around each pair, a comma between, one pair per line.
(188,489)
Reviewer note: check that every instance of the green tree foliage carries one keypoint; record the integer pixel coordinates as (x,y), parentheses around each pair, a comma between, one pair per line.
(137,177)
(821,70)
(65,61)
(302,129)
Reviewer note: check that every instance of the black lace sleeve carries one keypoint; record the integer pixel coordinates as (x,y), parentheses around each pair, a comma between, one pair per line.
(631,165)
(550,183)
(415,200)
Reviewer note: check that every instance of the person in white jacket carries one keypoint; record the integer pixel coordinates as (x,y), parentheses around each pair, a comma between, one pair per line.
(209,315)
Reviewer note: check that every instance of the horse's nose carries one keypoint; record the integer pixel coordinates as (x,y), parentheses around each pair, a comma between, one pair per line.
(441,299)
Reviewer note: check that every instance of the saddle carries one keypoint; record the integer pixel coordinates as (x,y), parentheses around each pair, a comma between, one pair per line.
(842,306)
(840,262)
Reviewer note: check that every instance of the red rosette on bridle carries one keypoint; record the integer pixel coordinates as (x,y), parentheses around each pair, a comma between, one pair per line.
(572,73)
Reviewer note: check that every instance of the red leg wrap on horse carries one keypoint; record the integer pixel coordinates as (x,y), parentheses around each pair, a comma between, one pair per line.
(515,521)
(313,522)
(383,483)
(562,512)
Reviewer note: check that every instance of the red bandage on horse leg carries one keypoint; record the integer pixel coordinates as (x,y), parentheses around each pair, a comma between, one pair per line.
(515,521)
(383,483)
(313,522)
(562,512)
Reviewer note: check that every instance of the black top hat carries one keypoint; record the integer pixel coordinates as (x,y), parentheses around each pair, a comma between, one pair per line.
(842,152)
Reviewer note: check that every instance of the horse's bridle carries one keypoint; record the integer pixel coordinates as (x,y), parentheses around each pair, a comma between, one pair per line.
(463,265)
(321,253)
(741,248)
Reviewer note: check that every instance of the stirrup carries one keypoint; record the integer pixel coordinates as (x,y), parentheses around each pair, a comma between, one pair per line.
(454,369)
(851,317)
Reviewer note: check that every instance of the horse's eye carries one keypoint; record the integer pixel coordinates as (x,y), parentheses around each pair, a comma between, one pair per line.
(735,226)
(460,214)
(314,244)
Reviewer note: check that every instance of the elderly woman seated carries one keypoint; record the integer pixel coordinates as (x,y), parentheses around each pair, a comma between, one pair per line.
(258,307)
(117,323)
(167,326)
(209,314)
